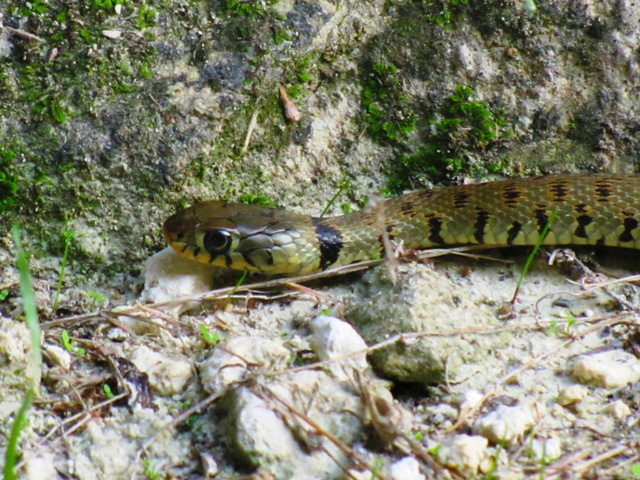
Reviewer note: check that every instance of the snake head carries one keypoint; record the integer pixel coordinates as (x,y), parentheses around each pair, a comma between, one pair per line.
(241,237)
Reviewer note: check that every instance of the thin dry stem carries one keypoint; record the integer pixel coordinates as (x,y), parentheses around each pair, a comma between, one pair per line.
(23,34)
(253,123)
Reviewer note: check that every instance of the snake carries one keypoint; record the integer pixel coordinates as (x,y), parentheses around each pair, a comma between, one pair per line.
(574,209)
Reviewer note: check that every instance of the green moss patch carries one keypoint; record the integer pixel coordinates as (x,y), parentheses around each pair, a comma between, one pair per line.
(461,128)
(387,112)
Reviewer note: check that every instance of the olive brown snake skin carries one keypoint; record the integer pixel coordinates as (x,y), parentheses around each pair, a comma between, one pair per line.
(589,210)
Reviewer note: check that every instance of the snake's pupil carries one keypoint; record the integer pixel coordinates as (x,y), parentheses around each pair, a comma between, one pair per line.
(217,241)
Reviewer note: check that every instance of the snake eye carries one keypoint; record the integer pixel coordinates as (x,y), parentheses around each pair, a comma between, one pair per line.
(217,242)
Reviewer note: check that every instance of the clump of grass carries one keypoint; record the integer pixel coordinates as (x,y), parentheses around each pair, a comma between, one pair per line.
(97,298)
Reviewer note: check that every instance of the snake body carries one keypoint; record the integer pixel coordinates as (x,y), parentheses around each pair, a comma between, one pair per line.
(586,210)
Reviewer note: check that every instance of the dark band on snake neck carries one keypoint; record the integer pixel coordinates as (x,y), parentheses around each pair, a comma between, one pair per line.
(330,243)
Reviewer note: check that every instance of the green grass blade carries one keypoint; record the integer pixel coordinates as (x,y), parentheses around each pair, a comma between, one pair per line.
(29,305)
(343,186)
(11,455)
(533,253)
(31,316)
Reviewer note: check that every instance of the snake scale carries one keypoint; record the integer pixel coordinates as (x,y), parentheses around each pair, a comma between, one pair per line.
(589,210)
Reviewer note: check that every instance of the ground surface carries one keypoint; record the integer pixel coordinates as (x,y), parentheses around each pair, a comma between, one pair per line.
(113,115)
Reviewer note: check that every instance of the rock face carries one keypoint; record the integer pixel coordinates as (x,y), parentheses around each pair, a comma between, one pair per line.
(115,114)
(401,95)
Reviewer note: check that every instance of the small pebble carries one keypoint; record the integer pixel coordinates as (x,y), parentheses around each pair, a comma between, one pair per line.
(573,394)
(406,468)
(471,399)
(334,339)
(112,34)
(610,369)
(40,467)
(506,424)
(167,375)
(170,277)
(618,409)
(463,452)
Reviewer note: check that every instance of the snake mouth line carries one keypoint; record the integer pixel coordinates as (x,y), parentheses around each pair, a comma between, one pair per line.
(190,251)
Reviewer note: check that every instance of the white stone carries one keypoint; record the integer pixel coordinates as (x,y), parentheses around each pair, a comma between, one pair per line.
(335,339)
(359,474)
(407,468)
(260,430)
(269,434)
(167,375)
(15,341)
(471,400)
(506,424)
(572,394)
(170,277)
(40,467)
(618,409)
(9,407)
(441,415)
(609,369)
(463,452)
